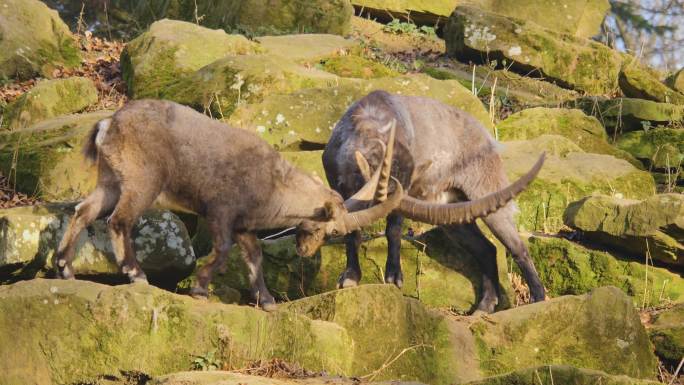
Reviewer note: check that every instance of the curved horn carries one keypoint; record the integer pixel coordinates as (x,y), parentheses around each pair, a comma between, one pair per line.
(378,181)
(352,221)
(464,212)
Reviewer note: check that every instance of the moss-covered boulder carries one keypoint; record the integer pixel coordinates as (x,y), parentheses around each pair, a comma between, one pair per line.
(659,148)
(637,81)
(171,49)
(50,98)
(676,81)
(309,161)
(629,114)
(579,18)
(585,131)
(128,18)
(437,269)
(234,80)
(236,378)
(667,333)
(475,35)
(30,236)
(308,116)
(600,330)
(382,323)
(654,226)
(306,48)
(94,331)
(33,40)
(353,66)
(561,374)
(45,159)
(589,331)
(568,174)
(568,268)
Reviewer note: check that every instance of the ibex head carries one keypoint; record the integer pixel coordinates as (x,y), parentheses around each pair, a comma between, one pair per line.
(342,217)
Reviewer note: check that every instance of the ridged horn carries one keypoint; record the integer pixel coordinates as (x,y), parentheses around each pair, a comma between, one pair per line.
(465,212)
(352,221)
(378,181)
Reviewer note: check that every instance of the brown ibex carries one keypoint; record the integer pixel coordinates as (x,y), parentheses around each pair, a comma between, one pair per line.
(441,155)
(154,149)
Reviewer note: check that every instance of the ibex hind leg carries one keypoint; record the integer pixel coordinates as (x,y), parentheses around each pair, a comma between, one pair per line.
(98,204)
(220,227)
(503,226)
(129,208)
(470,237)
(251,252)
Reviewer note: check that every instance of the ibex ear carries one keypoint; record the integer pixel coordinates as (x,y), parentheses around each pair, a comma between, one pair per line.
(420,170)
(327,213)
(363,165)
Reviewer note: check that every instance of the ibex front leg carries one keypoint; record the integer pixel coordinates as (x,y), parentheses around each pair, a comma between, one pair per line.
(251,252)
(220,227)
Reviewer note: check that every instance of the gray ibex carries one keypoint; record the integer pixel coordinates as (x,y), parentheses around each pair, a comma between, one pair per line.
(441,154)
(156,149)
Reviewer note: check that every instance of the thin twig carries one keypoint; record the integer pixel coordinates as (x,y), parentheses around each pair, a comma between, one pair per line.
(371,376)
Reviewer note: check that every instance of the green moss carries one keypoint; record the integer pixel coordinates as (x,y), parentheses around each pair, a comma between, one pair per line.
(560,374)
(637,81)
(50,98)
(667,333)
(567,268)
(368,312)
(568,175)
(635,228)
(351,66)
(585,131)
(46,160)
(658,148)
(141,328)
(475,35)
(588,332)
(628,114)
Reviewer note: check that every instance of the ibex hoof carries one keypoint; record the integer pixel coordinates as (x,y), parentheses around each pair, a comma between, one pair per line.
(199,293)
(349,278)
(269,306)
(395,279)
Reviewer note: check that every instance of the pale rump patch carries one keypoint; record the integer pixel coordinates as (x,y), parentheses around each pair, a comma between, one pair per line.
(102,127)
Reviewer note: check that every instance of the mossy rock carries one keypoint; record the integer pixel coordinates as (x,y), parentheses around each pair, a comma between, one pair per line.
(600,330)
(144,329)
(128,18)
(308,161)
(382,323)
(171,49)
(637,81)
(568,174)
(561,374)
(517,91)
(569,268)
(585,131)
(287,121)
(352,66)
(667,333)
(629,114)
(306,48)
(676,81)
(437,269)
(33,40)
(31,235)
(50,98)
(658,148)
(654,226)
(227,83)
(576,18)
(46,158)
(232,378)
(472,34)
(589,331)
